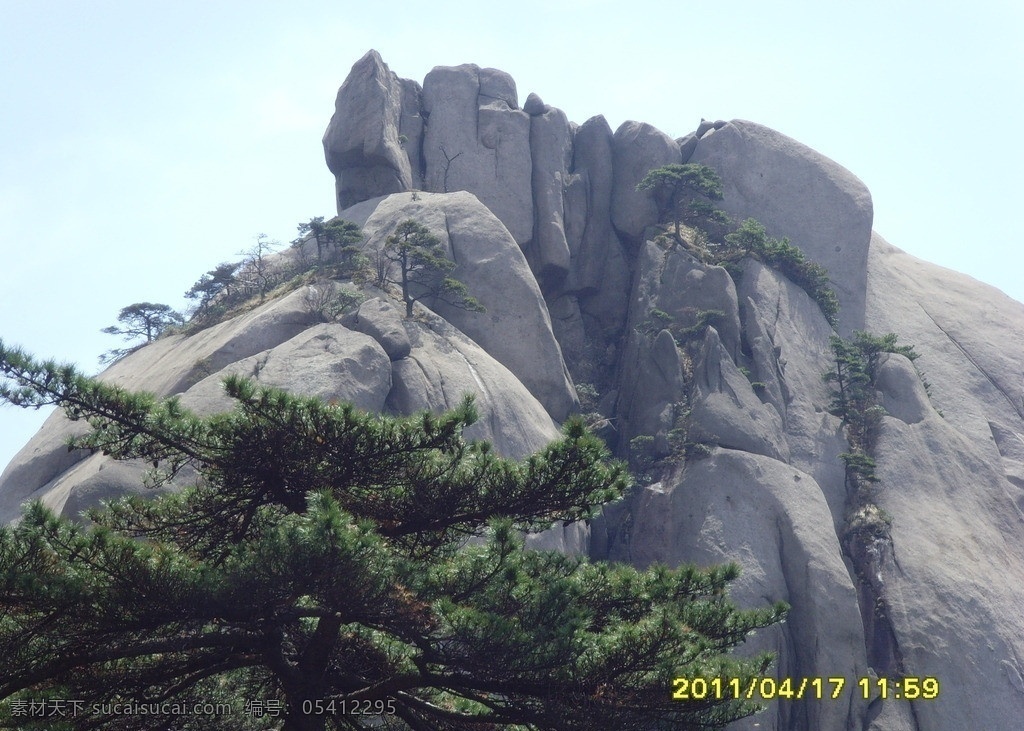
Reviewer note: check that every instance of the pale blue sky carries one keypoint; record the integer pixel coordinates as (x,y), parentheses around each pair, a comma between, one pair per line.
(141,143)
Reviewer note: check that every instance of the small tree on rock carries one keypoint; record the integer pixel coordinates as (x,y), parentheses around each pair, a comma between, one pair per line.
(342,235)
(140,320)
(683,192)
(345,237)
(422,268)
(214,283)
(315,227)
(257,267)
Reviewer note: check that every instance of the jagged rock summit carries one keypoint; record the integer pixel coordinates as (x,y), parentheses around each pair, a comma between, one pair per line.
(708,378)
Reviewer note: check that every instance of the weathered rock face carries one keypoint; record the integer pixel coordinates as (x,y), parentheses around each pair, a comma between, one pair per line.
(363,143)
(953,575)
(384,323)
(928,582)
(300,355)
(771,518)
(636,149)
(551,152)
(475,128)
(335,363)
(516,327)
(799,194)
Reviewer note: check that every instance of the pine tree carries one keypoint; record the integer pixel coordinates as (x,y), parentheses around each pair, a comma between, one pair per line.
(422,268)
(140,320)
(854,398)
(320,561)
(679,190)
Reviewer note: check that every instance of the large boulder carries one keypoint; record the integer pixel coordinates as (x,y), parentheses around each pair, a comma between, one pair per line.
(327,361)
(970,337)
(165,367)
(951,573)
(950,465)
(686,290)
(39,464)
(637,148)
(362,143)
(787,337)
(800,194)
(382,321)
(652,393)
(725,409)
(477,139)
(444,365)
(516,327)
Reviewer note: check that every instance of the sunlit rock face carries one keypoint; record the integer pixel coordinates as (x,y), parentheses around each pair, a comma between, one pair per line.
(544,222)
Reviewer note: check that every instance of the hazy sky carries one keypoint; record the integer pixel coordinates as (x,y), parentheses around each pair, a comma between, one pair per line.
(143,142)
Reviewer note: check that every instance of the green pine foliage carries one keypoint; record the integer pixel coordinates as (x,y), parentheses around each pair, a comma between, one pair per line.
(676,179)
(319,559)
(751,239)
(141,320)
(414,259)
(853,395)
(683,192)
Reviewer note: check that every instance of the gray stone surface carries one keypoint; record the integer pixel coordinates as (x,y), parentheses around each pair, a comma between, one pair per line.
(551,150)
(327,361)
(165,367)
(951,483)
(534,105)
(410,126)
(384,322)
(362,143)
(682,287)
(444,365)
(637,148)
(171,365)
(516,328)
(687,146)
(800,194)
(474,129)
(772,519)
(38,464)
(600,266)
(726,411)
(789,341)
(652,389)
(953,583)
(94,480)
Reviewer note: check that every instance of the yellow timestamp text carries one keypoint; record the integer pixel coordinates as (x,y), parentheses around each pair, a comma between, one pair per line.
(769,689)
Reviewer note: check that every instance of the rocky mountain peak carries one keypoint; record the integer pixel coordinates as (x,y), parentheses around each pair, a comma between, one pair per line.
(891,523)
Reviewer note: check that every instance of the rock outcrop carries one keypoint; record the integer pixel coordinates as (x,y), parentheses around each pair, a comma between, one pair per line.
(364,149)
(281,344)
(708,378)
(516,326)
(797,193)
(475,129)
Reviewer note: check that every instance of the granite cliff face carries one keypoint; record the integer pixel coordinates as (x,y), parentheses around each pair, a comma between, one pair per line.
(543,219)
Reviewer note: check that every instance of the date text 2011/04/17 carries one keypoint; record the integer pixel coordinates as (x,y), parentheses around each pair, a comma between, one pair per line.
(769,689)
